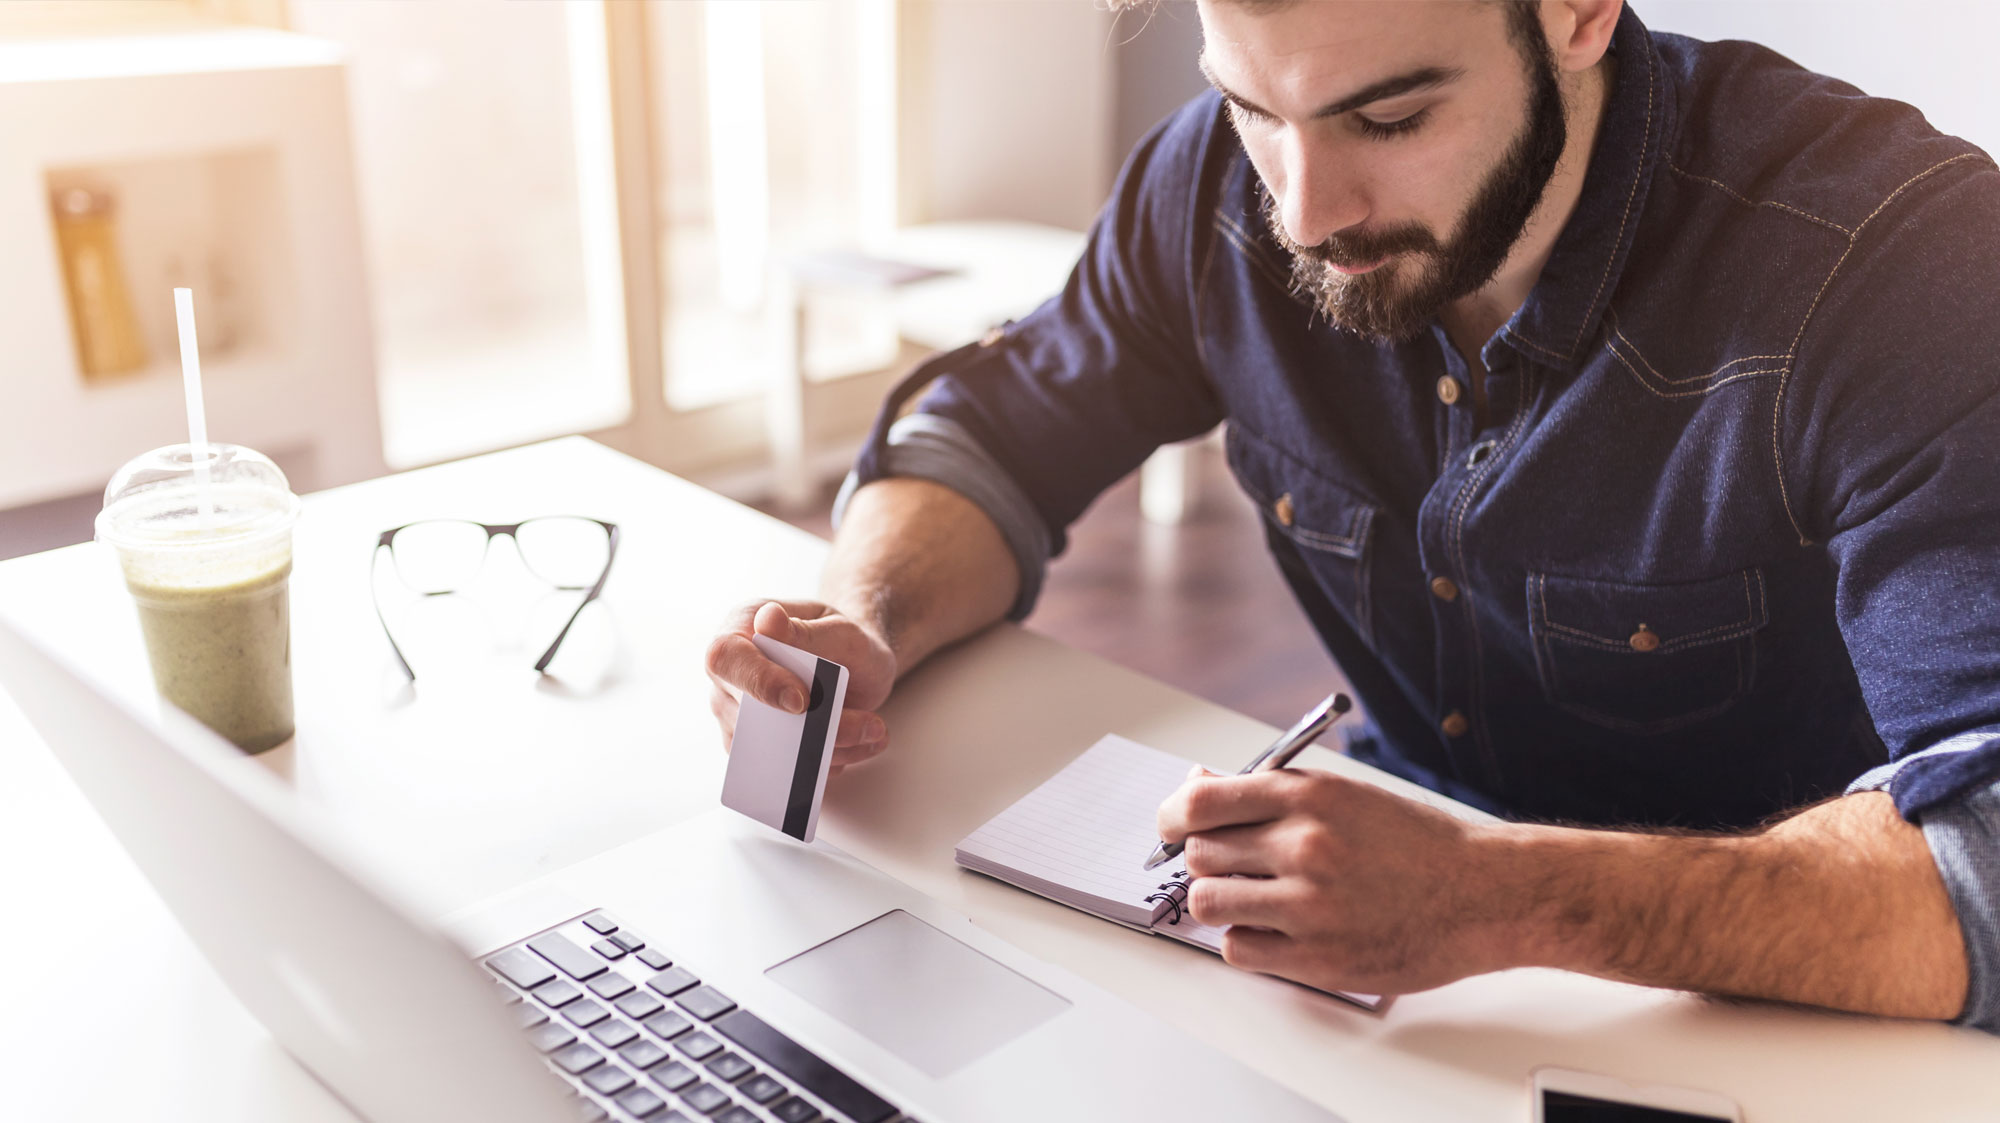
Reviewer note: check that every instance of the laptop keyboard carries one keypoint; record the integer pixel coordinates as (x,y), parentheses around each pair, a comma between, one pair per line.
(641,1037)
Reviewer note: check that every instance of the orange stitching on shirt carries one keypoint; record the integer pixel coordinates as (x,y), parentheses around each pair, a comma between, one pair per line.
(1739,197)
(1778,403)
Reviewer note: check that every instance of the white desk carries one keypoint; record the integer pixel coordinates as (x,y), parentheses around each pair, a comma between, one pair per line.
(486,777)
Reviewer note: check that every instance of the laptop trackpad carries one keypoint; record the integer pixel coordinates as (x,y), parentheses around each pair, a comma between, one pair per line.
(934,1002)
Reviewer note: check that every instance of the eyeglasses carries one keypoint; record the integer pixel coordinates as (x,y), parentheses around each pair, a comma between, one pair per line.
(438,556)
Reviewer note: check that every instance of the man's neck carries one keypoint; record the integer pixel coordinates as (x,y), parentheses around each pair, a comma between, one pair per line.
(1472,320)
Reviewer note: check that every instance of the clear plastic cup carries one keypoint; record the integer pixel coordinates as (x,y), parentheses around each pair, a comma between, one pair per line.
(212,585)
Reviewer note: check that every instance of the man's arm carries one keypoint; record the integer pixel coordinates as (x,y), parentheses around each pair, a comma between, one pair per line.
(1351,887)
(920,565)
(1840,906)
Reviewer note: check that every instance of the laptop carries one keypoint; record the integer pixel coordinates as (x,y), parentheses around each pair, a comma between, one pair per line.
(714,970)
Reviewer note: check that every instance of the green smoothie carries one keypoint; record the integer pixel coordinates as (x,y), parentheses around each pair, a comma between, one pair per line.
(223,653)
(207,555)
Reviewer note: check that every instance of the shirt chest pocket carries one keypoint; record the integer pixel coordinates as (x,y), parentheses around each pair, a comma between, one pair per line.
(1644,659)
(1329,525)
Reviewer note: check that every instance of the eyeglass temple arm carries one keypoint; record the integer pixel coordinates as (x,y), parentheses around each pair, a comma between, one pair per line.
(375,599)
(610,556)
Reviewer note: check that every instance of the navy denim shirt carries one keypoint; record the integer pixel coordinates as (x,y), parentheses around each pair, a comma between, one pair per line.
(1727,536)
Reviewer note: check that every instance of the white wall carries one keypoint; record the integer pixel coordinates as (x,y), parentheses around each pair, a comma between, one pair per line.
(1934,54)
(1017,117)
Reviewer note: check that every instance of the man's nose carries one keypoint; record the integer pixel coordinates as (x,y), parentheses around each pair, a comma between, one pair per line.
(1320,197)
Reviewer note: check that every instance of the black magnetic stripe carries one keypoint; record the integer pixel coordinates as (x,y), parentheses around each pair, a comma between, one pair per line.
(812,746)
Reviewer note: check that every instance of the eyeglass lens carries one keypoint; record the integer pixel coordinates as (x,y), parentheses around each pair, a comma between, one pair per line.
(443,555)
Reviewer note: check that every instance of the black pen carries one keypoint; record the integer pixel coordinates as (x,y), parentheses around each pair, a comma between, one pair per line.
(1288,745)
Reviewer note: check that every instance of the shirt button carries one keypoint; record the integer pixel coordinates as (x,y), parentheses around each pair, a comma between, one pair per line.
(1444,589)
(1449,390)
(1283,510)
(1454,724)
(1645,639)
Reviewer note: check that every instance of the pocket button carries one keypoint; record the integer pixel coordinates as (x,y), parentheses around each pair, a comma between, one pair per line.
(1283,510)
(1644,640)
(1444,589)
(1454,724)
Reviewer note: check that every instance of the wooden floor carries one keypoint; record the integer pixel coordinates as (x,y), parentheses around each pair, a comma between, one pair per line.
(1199,605)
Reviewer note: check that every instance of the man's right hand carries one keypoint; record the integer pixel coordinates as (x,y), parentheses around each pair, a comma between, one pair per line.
(736,667)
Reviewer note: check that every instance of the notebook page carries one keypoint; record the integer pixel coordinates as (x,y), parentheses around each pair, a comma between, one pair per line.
(1082,836)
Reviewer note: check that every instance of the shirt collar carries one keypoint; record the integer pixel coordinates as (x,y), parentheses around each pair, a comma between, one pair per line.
(1575,286)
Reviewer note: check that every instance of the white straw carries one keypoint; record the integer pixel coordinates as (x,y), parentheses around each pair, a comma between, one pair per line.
(197,413)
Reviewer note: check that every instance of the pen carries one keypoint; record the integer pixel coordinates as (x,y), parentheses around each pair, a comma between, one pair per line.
(1288,745)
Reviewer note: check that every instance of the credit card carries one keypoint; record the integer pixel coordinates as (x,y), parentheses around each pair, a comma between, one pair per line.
(778,761)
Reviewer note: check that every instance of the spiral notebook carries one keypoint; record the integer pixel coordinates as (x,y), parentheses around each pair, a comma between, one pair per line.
(1080,839)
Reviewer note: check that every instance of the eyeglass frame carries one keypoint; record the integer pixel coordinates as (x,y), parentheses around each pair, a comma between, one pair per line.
(493,530)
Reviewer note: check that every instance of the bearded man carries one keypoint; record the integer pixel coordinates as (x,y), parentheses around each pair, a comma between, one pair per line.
(1623,413)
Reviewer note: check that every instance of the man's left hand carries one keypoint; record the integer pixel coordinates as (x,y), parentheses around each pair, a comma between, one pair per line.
(1337,883)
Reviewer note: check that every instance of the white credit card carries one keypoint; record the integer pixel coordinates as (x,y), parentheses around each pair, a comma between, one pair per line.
(778,761)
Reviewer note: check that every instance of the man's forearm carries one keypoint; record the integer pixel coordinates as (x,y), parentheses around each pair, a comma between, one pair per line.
(1840,906)
(921,564)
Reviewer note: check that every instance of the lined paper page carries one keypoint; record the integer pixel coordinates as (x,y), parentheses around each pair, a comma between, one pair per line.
(1082,836)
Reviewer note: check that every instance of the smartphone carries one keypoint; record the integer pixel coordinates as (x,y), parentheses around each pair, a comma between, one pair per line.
(1565,1095)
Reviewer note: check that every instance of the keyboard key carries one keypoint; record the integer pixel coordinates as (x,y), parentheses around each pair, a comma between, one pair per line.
(520,968)
(641,1102)
(601,923)
(652,958)
(529,1016)
(628,939)
(705,1098)
(706,1003)
(669,1024)
(761,1088)
(613,1033)
(557,992)
(840,1091)
(642,1054)
(673,1076)
(640,1005)
(611,984)
(577,1058)
(673,980)
(795,1110)
(574,961)
(608,950)
(737,1113)
(550,1036)
(728,1067)
(590,1112)
(585,1013)
(699,1045)
(607,1079)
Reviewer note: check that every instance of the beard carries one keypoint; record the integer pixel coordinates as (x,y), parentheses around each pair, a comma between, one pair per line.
(1381,305)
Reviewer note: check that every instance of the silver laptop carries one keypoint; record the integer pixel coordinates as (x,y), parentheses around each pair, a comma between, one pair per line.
(711,971)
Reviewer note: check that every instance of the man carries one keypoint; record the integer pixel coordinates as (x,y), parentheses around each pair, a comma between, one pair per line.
(1623,413)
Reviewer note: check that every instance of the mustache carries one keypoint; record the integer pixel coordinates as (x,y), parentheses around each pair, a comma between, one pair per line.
(1355,250)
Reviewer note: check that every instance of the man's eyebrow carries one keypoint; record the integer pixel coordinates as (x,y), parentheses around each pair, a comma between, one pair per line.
(1425,78)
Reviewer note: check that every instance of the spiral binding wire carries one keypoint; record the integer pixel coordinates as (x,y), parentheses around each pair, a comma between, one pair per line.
(1173,893)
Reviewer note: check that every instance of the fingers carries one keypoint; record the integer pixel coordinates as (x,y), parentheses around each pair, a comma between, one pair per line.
(1258,949)
(855,754)
(735,663)
(859,727)
(1233,850)
(1257,901)
(1208,801)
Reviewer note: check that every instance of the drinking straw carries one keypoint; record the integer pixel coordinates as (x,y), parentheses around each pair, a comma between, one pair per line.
(197,414)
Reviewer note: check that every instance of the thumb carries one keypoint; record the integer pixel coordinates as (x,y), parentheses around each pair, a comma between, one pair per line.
(772,620)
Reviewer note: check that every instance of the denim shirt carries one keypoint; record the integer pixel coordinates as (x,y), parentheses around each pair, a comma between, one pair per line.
(1726,535)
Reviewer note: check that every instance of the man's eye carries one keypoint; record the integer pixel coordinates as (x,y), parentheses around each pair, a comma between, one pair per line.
(1381,130)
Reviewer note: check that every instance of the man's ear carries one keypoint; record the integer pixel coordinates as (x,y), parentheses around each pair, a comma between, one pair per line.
(1580,31)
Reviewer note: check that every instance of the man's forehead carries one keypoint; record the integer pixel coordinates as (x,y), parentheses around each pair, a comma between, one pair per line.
(1322,50)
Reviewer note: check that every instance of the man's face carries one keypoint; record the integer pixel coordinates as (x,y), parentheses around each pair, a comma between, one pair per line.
(1403,146)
